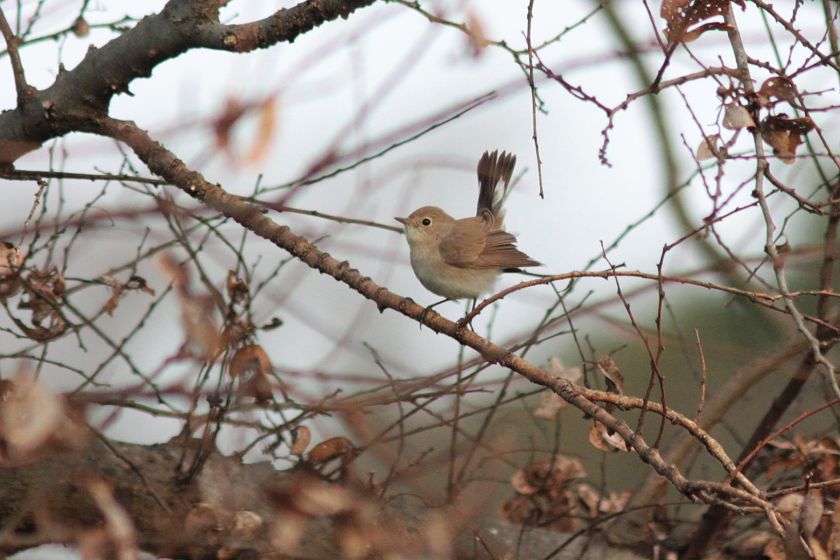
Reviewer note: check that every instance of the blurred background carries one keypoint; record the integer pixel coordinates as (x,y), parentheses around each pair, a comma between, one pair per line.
(373,116)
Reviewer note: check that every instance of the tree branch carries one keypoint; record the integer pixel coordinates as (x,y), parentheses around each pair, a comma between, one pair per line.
(84,93)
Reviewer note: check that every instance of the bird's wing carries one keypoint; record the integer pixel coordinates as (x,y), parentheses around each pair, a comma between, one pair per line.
(468,246)
(500,252)
(464,243)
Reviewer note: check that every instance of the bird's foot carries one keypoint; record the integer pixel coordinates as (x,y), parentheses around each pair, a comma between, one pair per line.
(426,311)
(465,321)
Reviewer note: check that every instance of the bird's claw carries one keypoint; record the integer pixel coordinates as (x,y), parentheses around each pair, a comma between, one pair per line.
(464,322)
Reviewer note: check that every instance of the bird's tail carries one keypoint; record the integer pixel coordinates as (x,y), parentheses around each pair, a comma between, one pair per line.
(492,168)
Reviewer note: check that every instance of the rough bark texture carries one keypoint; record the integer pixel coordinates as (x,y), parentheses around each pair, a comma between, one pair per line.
(82,95)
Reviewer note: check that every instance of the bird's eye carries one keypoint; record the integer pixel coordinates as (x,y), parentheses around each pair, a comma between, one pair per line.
(427,221)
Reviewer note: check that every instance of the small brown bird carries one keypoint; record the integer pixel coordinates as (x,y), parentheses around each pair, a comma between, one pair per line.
(463,258)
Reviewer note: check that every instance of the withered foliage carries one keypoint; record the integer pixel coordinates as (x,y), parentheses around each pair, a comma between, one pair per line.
(685,17)
(554,495)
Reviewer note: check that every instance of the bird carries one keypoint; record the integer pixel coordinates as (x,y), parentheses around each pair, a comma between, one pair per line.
(463,258)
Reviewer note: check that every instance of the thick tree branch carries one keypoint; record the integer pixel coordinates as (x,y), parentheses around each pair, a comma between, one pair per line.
(84,93)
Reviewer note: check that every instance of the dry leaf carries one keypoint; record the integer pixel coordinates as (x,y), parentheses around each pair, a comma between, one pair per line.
(607,367)
(785,134)
(736,117)
(44,290)
(237,288)
(330,449)
(542,475)
(681,15)
(708,148)
(250,359)
(554,496)
(600,438)
(259,387)
(11,259)
(776,88)
(198,317)
(302,436)
(251,364)
(265,131)
(233,112)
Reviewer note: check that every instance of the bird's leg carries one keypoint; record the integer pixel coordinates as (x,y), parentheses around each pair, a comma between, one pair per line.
(461,323)
(429,308)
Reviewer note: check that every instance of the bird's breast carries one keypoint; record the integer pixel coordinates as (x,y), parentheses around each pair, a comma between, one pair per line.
(449,281)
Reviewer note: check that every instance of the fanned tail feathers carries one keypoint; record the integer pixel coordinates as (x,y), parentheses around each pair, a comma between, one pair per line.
(492,168)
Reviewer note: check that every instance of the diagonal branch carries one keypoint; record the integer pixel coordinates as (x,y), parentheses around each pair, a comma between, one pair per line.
(165,164)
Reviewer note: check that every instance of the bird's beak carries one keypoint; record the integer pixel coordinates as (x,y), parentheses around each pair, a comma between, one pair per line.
(401,220)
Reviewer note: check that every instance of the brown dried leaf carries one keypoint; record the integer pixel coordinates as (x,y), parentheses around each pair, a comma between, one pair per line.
(607,367)
(681,15)
(600,438)
(330,449)
(250,359)
(11,259)
(177,272)
(776,87)
(233,112)
(542,476)
(198,317)
(265,131)
(785,134)
(259,387)
(597,503)
(736,117)
(224,123)
(116,292)
(708,148)
(44,290)
(302,437)
(237,288)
